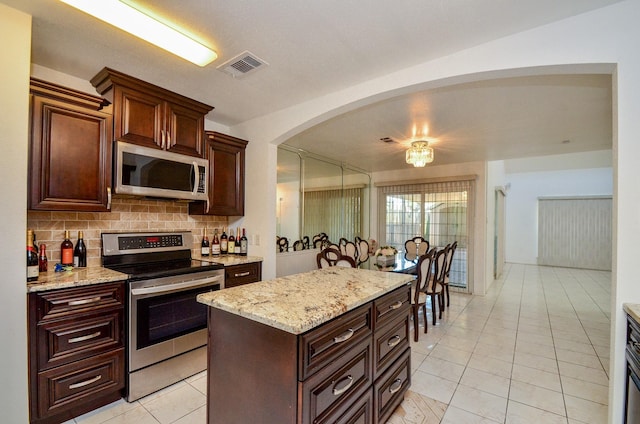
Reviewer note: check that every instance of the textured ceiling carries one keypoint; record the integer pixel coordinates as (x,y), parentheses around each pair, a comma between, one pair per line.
(318,47)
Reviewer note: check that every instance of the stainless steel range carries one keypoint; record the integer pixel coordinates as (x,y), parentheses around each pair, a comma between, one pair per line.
(166,326)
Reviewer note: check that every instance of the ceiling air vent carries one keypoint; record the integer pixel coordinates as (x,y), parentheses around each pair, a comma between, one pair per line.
(243,64)
(387,140)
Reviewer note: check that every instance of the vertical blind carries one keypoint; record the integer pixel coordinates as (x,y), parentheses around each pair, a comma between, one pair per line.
(575,232)
(336,212)
(441,212)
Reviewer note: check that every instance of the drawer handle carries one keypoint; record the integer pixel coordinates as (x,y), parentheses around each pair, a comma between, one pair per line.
(396,305)
(397,385)
(341,390)
(84,301)
(85,383)
(83,338)
(393,341)
(242,274)
(344,336)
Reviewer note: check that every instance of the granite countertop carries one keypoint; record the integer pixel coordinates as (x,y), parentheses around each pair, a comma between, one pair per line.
(228,260)
(300,302)
(633,309)
(51,280)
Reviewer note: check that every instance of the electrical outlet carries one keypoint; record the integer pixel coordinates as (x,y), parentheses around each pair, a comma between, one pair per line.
(257,239)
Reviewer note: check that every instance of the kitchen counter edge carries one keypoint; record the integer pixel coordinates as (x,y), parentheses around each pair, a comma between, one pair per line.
(300,302)
(51,280)
(633,310)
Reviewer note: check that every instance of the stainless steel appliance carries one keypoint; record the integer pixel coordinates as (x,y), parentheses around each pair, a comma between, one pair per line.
(632,404)
(166,327)
(145,171)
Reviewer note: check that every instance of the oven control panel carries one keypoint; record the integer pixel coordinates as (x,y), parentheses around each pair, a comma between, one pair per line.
(126,243)
(149,242)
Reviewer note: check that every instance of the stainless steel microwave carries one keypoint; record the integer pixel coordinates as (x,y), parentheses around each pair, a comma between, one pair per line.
(144,171)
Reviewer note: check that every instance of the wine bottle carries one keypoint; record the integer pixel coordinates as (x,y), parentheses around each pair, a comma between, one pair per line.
(205,248)
(243,243)
(80,252)
(66,250)
(231,246)
(32,258)
(238,246)
(43,263)
(223,242)
(215,243)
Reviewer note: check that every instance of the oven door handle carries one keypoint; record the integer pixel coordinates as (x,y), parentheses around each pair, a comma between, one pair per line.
(177,286)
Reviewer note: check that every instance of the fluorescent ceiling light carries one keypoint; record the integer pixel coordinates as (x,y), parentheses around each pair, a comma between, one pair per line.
(133,21)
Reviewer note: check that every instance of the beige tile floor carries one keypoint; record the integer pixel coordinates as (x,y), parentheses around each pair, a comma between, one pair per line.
(535,349)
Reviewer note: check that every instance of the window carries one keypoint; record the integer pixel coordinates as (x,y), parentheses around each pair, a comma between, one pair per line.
(441,212)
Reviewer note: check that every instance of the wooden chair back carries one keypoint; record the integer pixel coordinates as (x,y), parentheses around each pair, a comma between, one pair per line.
(415,247)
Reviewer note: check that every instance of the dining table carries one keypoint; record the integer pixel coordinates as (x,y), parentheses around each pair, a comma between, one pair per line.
(400,265)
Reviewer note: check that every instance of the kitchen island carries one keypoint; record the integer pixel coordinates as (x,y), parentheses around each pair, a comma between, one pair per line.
(327,346)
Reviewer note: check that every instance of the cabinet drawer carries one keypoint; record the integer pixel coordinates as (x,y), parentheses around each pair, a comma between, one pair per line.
(325,344)
(360,412)
(62,303)
(344,380)
(392,305)
(68,386)
(237,275)
(389,389)
(389,343)
(64,341)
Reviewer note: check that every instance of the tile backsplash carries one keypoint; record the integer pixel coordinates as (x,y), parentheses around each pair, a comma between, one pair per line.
(127,215)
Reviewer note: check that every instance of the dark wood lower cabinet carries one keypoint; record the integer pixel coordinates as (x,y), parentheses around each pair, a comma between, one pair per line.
(76,351)
(352,369)
(238,275)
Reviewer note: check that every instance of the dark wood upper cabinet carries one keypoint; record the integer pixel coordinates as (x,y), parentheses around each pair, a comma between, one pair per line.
(226,157)
(152,116)
(70,149)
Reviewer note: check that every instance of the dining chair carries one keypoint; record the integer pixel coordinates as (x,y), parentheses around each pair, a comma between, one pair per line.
(362,250)
(305,241)
(445,281)
(439,271)
(349,249)
(422,288)
(283,244)
(298,245)
(415,247)
(332,257)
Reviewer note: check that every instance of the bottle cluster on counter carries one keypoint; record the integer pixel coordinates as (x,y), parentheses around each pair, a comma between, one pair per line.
(37,261)
(233,244)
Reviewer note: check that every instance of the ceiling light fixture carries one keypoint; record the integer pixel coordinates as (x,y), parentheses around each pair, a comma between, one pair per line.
(419,154)
(135,22)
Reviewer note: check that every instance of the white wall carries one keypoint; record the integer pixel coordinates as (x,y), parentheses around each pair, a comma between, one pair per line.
(288,211)
(526,187)
(495,179)
(15,29)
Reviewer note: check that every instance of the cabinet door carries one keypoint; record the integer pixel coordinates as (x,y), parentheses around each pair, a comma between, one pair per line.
(184,130)
(226,156)
(70,156)
(139,117)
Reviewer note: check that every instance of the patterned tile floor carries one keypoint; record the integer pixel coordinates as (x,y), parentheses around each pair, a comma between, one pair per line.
(535,349)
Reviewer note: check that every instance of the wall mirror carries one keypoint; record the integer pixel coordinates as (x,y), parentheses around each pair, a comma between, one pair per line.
(319,195)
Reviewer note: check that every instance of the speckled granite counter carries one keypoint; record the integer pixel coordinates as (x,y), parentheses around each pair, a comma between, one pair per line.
(633,309)
(229,260)
(300,302)
(77,277)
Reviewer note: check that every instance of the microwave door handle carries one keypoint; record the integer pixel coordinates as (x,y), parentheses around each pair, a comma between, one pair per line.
(196,183)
